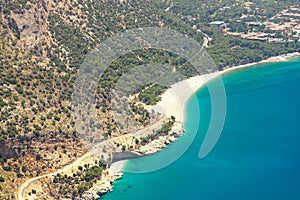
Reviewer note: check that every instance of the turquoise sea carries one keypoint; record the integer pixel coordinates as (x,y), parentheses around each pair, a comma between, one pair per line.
(257,155)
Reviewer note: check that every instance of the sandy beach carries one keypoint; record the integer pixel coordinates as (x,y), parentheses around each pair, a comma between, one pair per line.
(174,99)
(172,104)
(118,166)
(256,93)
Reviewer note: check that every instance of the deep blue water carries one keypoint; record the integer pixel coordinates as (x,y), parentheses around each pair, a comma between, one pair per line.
(257,155)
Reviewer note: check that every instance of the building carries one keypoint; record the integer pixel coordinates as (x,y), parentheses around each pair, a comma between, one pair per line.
(216,23)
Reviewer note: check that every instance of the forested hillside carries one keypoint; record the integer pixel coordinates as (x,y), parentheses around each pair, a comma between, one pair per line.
(44,42)
(229,50)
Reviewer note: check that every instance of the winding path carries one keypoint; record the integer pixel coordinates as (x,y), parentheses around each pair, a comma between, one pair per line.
(94,150)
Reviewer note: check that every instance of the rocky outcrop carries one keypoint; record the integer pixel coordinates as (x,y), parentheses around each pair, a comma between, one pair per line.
(108,178)
(102,186)
(156,145)
(6,151)
(162,141)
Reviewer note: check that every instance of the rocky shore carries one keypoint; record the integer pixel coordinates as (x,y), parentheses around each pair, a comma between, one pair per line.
(102,186)
(112,174)
(131,142)
(159,143)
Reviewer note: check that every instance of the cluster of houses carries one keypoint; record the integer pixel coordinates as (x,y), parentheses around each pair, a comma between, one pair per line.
(284,26)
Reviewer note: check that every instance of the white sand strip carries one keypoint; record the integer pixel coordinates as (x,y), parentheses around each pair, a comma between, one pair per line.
(174,99)
(118,166)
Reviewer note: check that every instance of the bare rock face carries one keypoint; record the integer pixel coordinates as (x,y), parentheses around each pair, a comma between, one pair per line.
(6,151)
(13,25)
(30,24)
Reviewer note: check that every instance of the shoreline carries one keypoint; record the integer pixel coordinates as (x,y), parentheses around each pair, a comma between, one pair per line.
(172,104)
(280,58)
(174,107)
(119,165)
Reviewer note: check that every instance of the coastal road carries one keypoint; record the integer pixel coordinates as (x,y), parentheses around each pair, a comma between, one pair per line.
(94,150)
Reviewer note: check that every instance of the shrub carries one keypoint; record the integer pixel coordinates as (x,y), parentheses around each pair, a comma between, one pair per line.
(24,168)
(57,118)
(38,157)
(7,168)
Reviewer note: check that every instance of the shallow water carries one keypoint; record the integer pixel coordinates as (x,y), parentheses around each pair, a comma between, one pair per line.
(256,157)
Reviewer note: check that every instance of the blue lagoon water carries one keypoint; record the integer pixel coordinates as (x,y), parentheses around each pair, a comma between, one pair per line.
(257,155)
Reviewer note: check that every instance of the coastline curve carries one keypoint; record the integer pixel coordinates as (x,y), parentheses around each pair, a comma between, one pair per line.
(95,64)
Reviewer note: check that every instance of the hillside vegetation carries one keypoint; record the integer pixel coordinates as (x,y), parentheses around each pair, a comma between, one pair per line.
(44,42)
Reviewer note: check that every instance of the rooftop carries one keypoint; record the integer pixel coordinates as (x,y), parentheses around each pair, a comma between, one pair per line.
(216,23)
